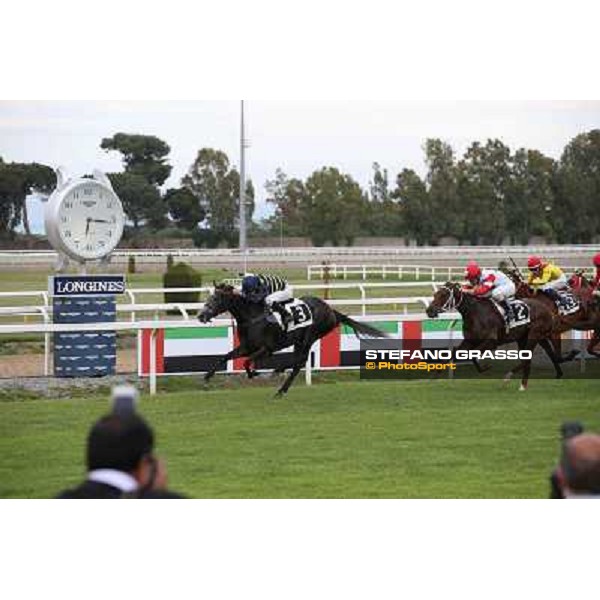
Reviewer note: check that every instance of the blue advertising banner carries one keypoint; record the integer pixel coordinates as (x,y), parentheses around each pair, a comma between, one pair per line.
(85,299)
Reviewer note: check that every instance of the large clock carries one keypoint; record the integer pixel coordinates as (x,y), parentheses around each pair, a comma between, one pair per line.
(84,217)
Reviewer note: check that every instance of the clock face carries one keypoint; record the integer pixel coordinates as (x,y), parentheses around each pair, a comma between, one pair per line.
(90,220)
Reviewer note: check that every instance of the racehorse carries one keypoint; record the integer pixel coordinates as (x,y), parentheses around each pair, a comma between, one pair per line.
(259,339)
(583,289)
(484,327)
(579,320)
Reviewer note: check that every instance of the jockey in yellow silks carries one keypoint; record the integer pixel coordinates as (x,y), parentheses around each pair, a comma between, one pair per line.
(546,277)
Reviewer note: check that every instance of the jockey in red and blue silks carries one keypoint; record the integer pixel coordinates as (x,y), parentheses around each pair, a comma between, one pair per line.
(490,283)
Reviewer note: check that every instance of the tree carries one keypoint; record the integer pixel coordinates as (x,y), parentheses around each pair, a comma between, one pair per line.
(416,207)
(578,189)
(184,208)
(442,185)
(141,200)
(17,182)
(10,217)
(216,185)
(483,184)
(286,195)
(143,155)
(332,207)
(530,199)
(383,215)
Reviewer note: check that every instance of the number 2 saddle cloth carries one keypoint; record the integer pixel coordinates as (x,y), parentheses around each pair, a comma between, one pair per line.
(518,315)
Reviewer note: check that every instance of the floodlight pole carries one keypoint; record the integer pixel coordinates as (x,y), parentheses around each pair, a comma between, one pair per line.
(243,243)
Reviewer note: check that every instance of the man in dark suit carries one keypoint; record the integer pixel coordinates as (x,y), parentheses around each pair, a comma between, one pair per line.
(120,459)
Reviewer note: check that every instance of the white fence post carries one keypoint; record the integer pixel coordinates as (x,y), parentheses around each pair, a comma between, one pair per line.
(363,297)
(152,374)
(308,369)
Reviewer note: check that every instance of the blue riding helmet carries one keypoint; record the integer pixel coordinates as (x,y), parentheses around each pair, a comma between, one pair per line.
(250,284)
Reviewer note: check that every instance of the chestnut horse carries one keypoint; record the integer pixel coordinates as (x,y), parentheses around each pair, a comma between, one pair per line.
(484,327)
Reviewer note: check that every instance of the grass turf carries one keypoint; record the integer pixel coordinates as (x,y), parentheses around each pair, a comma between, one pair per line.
(351,439)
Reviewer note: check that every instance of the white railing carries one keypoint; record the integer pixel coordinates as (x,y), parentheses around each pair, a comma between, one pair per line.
(234,255)
(153,326)
(417,272)
(399,304)
(134,293)
(335,271)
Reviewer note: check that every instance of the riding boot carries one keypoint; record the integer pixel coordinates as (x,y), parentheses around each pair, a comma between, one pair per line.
(270,317)
(285,317)
(554,295)
(507,313)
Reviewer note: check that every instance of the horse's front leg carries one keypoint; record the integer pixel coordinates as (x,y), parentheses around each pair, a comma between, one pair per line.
(260,353)
(472,345)
(235,353)
(252,358)
(250,372)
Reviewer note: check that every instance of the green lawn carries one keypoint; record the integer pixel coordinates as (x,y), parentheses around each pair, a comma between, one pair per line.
(351,439)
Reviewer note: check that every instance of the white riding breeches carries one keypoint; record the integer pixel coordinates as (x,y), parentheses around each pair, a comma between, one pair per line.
(557,284)
(281,296)
(504,291)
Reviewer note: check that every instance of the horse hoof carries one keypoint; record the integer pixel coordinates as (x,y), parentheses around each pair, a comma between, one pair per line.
(522,388)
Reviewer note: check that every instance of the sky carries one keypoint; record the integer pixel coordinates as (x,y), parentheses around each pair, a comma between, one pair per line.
(296,136)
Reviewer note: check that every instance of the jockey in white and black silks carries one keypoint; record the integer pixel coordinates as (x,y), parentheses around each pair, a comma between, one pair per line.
(272,290)
(490,283)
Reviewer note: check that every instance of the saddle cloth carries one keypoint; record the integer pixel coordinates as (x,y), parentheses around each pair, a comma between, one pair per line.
(519,313)
(568,303)
(299,313)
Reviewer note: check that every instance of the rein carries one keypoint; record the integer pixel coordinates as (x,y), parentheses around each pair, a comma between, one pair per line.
(234,305)
(451,303)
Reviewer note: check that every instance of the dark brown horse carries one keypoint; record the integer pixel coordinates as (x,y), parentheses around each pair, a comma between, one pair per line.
(484,327)
(583,288)
(581,320)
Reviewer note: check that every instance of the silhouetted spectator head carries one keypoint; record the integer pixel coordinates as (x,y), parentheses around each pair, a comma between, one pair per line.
(119,441)
(580,465)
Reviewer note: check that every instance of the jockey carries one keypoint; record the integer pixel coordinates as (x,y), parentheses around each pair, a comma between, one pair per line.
(490,283)
(546,277)
(272,290)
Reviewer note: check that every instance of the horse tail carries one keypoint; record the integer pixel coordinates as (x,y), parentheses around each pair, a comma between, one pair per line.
(359,328)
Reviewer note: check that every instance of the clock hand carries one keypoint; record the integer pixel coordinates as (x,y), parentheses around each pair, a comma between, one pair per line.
(87,226)
(99,221)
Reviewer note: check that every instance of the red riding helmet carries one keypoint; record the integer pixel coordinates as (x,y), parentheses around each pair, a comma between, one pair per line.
(534,262)
(597,260)
(473,271)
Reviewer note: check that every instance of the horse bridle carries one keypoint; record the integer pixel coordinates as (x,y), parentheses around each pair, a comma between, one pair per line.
(451,303)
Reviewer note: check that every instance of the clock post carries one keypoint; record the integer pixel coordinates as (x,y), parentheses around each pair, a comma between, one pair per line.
(84,222)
